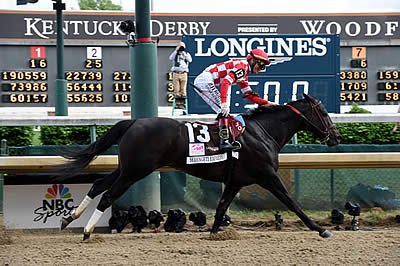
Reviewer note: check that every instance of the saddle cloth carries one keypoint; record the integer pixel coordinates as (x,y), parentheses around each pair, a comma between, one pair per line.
(204,139)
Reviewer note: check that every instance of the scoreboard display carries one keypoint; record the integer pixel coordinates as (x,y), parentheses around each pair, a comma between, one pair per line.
(29,78)
(96,76)
(29,85)
(370,75)
(100,76)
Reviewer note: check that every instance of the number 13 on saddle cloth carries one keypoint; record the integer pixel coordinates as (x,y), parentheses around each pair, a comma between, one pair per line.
(203,140)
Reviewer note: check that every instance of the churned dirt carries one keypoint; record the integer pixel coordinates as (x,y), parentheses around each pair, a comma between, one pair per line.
(244,243)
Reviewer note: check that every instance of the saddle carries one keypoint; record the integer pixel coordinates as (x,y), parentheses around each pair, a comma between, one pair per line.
(203,146)
(236,127)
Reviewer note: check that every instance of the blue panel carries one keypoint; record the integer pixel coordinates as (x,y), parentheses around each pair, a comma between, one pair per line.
(22,2)
(298,63)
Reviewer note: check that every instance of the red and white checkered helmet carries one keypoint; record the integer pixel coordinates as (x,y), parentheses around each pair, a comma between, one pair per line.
(260,55)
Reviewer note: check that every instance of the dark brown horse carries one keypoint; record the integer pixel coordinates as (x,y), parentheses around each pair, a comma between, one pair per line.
(150,143)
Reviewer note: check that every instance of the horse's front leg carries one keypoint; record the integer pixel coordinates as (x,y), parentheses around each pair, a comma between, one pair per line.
(229,193)
(274,184)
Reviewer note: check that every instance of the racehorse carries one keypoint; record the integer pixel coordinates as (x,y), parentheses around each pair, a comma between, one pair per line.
(150,143)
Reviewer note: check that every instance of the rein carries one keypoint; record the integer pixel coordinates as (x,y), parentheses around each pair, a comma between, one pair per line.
(324,132)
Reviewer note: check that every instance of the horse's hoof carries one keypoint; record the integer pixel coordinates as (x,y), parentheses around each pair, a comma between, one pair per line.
(326,234)
(86,236)
(65,222)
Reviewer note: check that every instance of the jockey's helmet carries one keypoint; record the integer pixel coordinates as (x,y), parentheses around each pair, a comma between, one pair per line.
(259,56)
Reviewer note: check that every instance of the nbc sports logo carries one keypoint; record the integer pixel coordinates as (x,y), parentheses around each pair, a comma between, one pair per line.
(57,202)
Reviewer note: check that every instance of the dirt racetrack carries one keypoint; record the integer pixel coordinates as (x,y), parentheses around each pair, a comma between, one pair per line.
(258,245)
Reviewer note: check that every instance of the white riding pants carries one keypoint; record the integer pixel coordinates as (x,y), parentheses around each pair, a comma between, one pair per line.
(209,92)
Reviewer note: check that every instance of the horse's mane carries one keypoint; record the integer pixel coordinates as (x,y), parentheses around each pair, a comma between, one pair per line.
(268,109)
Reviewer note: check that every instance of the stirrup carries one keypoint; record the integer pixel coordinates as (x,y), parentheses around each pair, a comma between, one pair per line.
(237,145)
(226,146)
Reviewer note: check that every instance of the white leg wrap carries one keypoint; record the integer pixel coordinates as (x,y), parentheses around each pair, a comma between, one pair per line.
(93,221)
(81,208)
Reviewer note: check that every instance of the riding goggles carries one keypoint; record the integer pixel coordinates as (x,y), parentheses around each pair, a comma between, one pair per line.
(261,64)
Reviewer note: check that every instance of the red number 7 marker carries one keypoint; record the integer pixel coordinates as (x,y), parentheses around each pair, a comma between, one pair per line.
(38,52)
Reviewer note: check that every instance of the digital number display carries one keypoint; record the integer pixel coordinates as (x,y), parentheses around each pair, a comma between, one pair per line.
(272,89)
(118,76)
(93,63)
(20,86)
(83,75)
(273,92)
(170,88)
(388,86)
(359,63)
(353,86)
(78,87)
(170,94)
(97,76)
(388,74)
(84,98)
(122,87)
(122,98)
(23,75)
(24,98)
(353,75)
(353,97)
(26,86)
(38,63)
(389,96)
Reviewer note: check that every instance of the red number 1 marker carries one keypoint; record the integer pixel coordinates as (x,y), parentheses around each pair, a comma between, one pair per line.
(38,52)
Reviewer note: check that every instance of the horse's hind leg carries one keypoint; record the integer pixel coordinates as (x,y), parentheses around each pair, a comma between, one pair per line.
(117,189)
(98,187)
(226,199)
(276,187)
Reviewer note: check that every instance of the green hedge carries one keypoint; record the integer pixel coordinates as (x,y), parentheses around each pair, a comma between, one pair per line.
(353,133)
(17,136)
(63,135)
(359,133)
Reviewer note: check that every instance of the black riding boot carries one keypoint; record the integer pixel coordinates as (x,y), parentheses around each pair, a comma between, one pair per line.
(224,144)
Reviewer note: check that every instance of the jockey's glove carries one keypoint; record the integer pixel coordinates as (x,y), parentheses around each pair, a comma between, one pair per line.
(225,109)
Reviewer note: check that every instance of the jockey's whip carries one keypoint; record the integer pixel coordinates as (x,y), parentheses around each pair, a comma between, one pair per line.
(197,89)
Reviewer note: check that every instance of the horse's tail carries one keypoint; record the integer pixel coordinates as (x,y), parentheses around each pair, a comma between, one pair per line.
(79,159)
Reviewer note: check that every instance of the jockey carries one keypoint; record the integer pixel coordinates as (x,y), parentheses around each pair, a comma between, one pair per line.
(224,75)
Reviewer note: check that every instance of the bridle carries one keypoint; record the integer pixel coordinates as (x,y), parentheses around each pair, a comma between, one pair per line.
(325,132)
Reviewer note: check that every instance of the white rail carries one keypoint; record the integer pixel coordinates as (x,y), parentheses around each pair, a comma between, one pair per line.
(108,163)
(93,121)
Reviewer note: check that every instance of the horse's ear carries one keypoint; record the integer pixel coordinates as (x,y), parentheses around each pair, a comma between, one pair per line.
(308,98)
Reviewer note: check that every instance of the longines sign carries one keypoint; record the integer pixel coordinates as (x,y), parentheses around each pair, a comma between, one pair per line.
(300,63)
(104,25)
